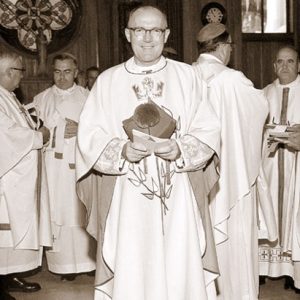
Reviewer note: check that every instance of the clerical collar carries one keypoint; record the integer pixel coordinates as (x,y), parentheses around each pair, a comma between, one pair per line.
(133,68)
(68,91)
(210,56)
(291,84)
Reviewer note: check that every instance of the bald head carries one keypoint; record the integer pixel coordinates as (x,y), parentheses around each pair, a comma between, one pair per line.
(286,64)
(143,11)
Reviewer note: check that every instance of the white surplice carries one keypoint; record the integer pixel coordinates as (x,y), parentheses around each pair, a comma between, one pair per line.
(242,110)
(73,249)
(153,254)
(29,228)
(276,260)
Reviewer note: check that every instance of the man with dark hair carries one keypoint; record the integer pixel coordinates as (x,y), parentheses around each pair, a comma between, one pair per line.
(282,169)
(59,107)
(21,189)
(143,132)
(242,111)
(91,75)
(81,78)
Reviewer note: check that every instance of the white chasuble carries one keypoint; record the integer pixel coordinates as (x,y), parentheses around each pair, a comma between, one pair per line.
(242,111)
(154,239)
(24,222)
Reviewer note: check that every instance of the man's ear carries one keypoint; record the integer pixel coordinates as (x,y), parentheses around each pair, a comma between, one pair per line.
(76,73)
(275,68)
(298,66)
(9,73)
(127,34)
(167,32)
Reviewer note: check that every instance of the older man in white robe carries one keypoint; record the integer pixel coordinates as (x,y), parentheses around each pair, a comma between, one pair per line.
(152,226)
(282,169)
(22,195)
(242,111)
(59,107)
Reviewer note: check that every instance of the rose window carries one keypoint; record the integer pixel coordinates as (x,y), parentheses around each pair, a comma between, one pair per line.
(23,21)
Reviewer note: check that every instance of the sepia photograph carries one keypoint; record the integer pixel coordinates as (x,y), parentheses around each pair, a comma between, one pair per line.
(149,150)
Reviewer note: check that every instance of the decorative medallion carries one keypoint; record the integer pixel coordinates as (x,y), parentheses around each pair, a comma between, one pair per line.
(148,90)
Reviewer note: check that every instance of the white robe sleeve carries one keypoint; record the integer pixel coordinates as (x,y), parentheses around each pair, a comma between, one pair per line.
(202,138)
(17,141)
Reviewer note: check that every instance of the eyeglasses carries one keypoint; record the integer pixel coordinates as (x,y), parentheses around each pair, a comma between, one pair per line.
(140,32)
(19,69)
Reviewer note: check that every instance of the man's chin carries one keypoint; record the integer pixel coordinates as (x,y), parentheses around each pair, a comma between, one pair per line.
(286,78)
(63,87)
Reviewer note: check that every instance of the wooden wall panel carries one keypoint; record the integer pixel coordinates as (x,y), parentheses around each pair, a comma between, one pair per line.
(234,27)
(105,16)
(191,25)
(251,61)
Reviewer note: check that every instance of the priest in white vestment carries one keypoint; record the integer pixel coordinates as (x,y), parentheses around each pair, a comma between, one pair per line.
(282,168)
(59,107)
(24,224)
(154,241)
(242,111)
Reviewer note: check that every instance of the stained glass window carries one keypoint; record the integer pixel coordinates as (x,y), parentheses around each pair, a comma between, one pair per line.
(25,23)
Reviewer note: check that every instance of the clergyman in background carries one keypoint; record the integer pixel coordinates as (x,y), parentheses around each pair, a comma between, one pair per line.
(281,167)
(23,195)
(59,107)
(242,111)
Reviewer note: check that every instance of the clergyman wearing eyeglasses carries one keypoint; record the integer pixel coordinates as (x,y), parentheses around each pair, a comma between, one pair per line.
(143,132)
(20,140)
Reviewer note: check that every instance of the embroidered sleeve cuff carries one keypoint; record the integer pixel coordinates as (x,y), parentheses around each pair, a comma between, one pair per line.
(194,154)
(110,160)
